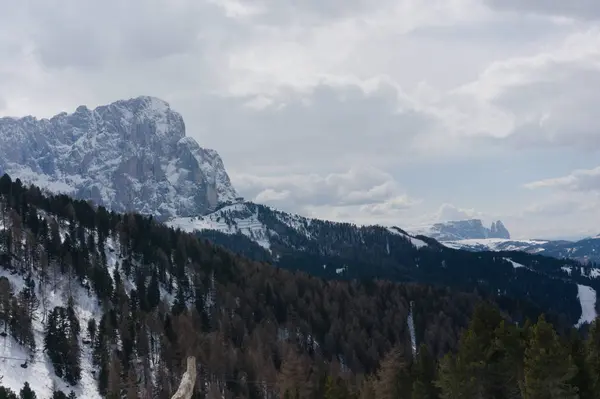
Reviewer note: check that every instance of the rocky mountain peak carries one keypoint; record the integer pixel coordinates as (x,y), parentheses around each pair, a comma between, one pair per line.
(130,155)
(498,230)
(463,230)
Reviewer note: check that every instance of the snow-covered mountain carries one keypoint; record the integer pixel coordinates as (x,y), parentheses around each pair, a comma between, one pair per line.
(586,250)
(462,230)
(272,229)
(128,155)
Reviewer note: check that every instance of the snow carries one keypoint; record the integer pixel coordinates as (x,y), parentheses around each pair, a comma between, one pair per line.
(493,244)
(40,372)
(250,225)
(411,329)
(567,269)
(587,299)
(515,264)
(414,241)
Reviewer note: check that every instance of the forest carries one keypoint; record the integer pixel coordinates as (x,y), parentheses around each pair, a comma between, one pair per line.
(257,331)
(344,251)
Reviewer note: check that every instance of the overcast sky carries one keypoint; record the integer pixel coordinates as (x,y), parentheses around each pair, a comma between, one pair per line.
(374,111)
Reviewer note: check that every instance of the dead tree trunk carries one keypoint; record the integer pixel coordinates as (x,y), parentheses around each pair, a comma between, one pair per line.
(186,387)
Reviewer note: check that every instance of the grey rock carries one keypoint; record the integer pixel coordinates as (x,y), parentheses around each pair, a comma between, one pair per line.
(131,155)
(463,230)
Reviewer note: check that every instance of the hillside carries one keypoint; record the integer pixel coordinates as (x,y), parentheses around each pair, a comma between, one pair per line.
(345,251)
(99,303)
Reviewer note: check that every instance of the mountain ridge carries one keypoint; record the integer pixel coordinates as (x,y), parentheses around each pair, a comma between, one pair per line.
(129,155)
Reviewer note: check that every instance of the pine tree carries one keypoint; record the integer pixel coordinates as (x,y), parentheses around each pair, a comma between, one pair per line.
(592,359)
(153,292)
(6,393)
(424,375)
(548,365)
(26,392)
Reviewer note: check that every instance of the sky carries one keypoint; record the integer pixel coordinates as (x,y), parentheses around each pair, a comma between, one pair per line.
(397,112)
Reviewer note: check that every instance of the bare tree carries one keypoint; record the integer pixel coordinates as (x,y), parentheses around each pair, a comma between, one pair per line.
(186,387)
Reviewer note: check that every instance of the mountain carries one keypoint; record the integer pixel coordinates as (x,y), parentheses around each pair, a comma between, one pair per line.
(110,305)
(131,155)
(586,251)
(346,251)
(462,230)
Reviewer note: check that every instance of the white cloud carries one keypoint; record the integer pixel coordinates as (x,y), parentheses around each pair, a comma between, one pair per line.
(582,180)
(581,9)
(304,90)
(365,191)
(449,212)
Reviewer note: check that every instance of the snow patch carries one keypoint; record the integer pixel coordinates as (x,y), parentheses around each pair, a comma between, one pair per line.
(414,241)
(515,264)
(587,299)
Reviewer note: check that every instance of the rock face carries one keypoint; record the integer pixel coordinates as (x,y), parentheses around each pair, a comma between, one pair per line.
(131,155)
(463,230)
(499,231)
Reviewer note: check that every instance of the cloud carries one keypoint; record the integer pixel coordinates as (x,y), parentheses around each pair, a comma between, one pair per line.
(333,125)
(366,189)
(541,99)
(582,9)
(296,95)
(582,180)
(449,212)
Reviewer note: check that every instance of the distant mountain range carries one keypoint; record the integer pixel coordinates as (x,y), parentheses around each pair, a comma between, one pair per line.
(472,235)
(585,251)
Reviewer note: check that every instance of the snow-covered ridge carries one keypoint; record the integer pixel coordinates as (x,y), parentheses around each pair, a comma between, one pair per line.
(131,155)
(263,224)
(494,244)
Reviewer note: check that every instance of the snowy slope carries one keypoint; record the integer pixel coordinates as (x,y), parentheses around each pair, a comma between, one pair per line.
(587,298)
(39,372)
(128,155)
(497,244)
(265,225)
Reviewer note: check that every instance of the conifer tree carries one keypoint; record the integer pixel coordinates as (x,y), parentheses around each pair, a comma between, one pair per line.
(153,291)
(592,359)
(26,392)
(548,365)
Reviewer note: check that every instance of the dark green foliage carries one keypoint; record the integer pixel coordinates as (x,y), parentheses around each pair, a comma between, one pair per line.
(61,342)
(26,392)
(6,393)
(153,291)
(530,362)
(549,366)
